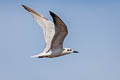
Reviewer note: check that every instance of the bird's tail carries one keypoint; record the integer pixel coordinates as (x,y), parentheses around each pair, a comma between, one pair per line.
(37,56)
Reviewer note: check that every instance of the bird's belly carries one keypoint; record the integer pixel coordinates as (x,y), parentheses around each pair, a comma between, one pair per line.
(55,53)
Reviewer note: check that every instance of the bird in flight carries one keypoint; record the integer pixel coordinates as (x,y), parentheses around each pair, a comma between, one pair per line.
(54,33)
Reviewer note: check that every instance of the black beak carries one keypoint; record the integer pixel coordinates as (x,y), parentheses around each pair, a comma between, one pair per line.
(75,52)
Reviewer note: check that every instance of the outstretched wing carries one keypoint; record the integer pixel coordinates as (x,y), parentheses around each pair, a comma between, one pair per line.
(47,26)
(60,32)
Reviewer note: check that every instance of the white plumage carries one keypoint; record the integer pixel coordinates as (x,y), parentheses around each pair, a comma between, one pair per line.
(54,34)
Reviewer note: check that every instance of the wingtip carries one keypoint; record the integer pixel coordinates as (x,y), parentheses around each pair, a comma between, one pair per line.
(23,6)
(27,8)
(50,11)
(52,14)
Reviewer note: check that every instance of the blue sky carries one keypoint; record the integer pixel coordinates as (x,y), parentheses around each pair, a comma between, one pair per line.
(94,30)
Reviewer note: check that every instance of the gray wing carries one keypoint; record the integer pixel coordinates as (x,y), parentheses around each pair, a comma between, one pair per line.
(60,32)
(46,25)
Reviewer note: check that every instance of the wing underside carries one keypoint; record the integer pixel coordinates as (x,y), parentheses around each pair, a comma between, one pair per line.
(46,25)
(54,33)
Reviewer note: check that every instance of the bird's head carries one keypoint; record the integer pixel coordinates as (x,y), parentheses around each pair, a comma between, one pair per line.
(69,50)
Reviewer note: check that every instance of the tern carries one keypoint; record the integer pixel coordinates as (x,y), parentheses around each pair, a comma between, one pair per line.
(54,34)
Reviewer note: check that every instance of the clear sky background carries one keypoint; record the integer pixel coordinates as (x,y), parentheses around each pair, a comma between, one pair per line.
(94,30)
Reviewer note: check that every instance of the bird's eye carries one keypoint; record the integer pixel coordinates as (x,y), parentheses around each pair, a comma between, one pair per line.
(67,49)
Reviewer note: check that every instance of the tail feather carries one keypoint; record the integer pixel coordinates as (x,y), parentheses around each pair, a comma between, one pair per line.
(37,56)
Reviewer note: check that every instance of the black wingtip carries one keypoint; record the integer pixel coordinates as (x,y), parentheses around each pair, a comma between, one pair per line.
(27,8)
(52,14)
(23,5)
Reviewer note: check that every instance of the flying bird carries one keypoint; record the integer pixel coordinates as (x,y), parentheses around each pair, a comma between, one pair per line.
(54,33)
